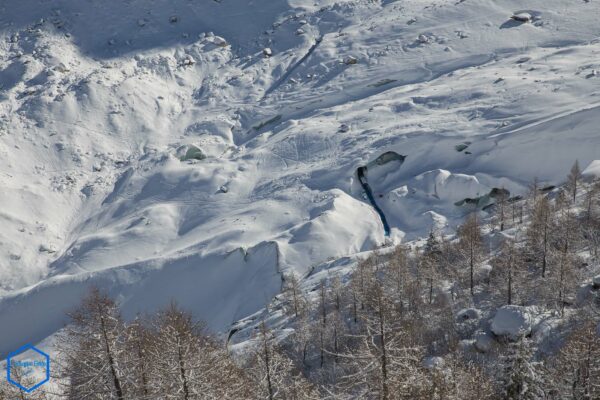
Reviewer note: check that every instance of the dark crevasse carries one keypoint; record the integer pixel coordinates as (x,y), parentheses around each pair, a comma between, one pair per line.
(361,172)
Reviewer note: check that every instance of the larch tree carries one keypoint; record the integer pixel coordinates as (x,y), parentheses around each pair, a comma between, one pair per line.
(576,369)
(501,205)
(539,232)
(521,376)
(93,350)
(294,298)
(507,270)
(383,362)
(138,338)
(471,242)
(573,180)
(188,364)
(273,371)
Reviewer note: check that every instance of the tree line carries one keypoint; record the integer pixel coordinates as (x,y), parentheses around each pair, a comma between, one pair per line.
(400,325)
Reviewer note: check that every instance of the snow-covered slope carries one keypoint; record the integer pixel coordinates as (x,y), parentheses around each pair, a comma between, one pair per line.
(99,102)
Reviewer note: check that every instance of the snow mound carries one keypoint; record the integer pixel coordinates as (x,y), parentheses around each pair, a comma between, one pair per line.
(511,322)
(329,234)
(448,186)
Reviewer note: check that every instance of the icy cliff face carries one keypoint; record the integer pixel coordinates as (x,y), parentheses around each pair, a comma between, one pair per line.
(101,101)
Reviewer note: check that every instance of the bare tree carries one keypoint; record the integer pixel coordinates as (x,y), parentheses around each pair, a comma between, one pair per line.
(274,372)
(383,361)
(539,231)
(138,339)
(576,370)
(521,376)
(507,267)
(573,179)
(470,239)
(19,374)
(501,204)
(294,296)
(188,364)
(93,350)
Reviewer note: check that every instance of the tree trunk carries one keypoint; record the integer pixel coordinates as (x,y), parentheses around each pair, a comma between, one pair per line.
(267,363)
(186,393)
(111,363)
(384,377)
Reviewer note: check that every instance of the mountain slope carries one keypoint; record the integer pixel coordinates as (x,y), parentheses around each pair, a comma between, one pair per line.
(99,102)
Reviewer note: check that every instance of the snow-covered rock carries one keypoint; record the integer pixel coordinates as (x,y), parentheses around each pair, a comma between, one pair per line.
(443,184)
(423,39)
(190,152)
(350,60)
(483,342)
(468,314)
(219,41)
(433,362)
(511,322)
(522,17)
(187,60)
(596,282)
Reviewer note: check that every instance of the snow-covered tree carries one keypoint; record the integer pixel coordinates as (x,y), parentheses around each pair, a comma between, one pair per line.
(138,338)
(93,351)
(522,378)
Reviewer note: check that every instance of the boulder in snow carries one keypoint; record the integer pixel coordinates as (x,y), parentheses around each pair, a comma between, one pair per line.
(60,67)
(190,152)
(483,342)
(511,322)
(423,39)
(468,314)
(350,60)
(433,362)
(219,41)
(344,128)
(522,17)
(187,61)
(596,282)
(47,248)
